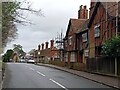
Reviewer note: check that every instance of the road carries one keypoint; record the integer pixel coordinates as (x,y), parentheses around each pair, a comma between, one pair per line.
(23,75)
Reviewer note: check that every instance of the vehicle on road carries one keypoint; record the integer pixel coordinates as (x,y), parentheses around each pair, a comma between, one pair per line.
(22,60)
(31,61)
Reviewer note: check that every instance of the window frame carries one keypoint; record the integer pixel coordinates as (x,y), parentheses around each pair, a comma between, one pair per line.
(70,40)
(85,37)
(97,31)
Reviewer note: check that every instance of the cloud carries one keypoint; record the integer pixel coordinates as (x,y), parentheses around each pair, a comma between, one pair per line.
(57,14)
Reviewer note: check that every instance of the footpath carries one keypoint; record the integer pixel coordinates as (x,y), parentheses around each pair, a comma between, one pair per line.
(103,79)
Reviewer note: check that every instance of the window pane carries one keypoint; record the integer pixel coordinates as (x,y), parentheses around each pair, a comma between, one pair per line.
(97,31)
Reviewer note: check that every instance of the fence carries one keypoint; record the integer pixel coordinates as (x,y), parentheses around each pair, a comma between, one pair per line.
(104,65)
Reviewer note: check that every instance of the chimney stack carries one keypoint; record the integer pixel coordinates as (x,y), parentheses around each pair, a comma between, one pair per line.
(83,12)
(42,46)
(46,45)
(52,43)
(38,47)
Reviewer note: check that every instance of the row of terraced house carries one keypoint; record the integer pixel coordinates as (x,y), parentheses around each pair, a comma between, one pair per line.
(85,37)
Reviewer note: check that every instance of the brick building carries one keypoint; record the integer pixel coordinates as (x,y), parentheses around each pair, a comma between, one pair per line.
(85,37)
(102,25)
(82,43)
(46,54)
(70,40)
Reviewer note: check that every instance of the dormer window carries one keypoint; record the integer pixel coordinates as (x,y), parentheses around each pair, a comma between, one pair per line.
(84,37)
(97,30)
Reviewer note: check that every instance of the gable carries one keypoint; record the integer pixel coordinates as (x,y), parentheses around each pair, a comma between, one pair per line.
(110,7)
(74,25)
(93,14)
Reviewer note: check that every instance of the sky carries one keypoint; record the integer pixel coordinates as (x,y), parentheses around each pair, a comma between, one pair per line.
(44,28)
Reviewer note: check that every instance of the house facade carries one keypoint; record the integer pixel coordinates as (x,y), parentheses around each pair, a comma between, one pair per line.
(85,37)
(70,40)
(102,25)
(82,43)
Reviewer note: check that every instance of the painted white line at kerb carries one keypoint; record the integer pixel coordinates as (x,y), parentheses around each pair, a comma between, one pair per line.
(32,69)
(58,84)
(40,73)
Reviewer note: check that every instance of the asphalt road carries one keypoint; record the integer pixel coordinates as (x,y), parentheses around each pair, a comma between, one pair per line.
(23,75)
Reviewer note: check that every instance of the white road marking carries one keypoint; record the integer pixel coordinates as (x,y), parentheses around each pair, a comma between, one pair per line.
(40,73)
(58,84)
(32,69)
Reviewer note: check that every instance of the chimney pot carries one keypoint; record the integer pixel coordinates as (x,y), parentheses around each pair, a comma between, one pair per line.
(52,43)
(85,7)
(38,47)
(47,45)
(81,7)
(83,12)
(42,46)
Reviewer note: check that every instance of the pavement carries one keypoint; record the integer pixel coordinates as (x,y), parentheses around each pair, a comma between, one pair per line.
(103,79)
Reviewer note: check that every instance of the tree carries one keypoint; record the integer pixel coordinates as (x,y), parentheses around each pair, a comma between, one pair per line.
(8,55)
(111,48)
(11,14)
(18,49)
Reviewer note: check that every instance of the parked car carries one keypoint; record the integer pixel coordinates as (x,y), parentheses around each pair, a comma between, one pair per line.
(22,60)
(31,61)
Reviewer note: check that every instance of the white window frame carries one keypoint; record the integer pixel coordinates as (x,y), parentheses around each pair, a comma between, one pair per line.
(84,37)
(86,53)
(70,40)
(72,57)
(97,30)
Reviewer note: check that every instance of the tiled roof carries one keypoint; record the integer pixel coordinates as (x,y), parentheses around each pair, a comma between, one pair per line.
(110,7)
(83,27)
(75,24)
(49,52)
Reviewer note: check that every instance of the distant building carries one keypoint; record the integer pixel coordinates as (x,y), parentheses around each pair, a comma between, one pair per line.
(46,54)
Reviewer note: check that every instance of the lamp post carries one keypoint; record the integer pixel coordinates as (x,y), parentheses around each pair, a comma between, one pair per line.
(38,56)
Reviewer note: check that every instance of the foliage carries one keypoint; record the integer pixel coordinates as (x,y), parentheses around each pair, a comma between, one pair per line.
(112,47)
(11,14)
(8,55)
(18,49)
(8,27)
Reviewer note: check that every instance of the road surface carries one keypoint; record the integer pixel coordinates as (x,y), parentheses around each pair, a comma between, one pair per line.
(23,75)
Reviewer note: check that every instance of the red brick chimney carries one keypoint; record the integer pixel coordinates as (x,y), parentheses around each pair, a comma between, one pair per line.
(83,12)
(42,46)
(46,45)
(52,43)
(38,47)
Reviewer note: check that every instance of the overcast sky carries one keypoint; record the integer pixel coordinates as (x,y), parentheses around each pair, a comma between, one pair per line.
(56,16)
